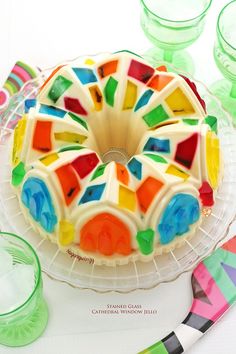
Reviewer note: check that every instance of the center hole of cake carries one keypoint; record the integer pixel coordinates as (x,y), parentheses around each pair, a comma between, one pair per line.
(115,154)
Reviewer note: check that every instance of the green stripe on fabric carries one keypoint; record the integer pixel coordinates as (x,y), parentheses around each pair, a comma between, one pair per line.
(157,348)
(110,90)
(214,266)
(27,68)
(10,87)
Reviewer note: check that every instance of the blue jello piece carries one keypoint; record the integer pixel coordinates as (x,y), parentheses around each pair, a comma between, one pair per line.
(85,75)
(154,144)
(35,196)
(194,214)
(135,168)
(36,204)
(50,110)
(48,221)
(169,231)
(29,104)
(144,99)
(182,228)
(25,196)
(93,193)
(182,211)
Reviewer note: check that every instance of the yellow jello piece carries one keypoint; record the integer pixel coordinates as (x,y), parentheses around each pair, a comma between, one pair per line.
(70,137)
(213,158)
(127,198)
(66,233)
(18,140)
(130,96)
(175,171)
(179,103)
(96,97)
(49,159)
(89,61)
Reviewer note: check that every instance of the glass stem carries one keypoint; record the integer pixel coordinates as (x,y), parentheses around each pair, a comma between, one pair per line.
(168,55)
(233,90)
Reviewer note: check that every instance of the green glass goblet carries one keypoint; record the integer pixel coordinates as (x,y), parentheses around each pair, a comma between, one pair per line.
(173,25)
(225,58)
(23,311)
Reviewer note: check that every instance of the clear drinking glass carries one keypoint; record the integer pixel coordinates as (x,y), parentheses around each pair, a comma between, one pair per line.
(20,269)
(225,58)
(172,25)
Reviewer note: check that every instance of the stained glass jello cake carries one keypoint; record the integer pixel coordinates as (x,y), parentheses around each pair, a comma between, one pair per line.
(115,160)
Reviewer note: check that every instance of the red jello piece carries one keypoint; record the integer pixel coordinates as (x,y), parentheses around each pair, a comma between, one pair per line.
(194,89)
(140,71)
(42,136)
(85,164)
(69,182)
(74,105)
(106,234)
(206,194)
(186,150)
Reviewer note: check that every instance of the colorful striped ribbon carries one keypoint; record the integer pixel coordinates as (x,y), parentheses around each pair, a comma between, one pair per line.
(214,292)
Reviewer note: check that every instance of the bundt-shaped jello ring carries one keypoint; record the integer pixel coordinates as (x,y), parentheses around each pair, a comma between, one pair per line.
(115,160)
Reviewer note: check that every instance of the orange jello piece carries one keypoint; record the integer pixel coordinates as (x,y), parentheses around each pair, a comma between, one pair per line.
(108,68)
(147,192)
(162,68)
(106,234)
(122,173)
(158,82)
(42,136)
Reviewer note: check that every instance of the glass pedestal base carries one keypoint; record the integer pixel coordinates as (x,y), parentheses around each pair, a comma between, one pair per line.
(179,59)
(222,90)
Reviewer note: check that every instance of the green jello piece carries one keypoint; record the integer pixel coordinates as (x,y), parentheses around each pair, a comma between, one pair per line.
(212,122)
(60,85)
(72,147)
(145,240)
(191,121)
(127,51)
(156,158)
(156,116)
(99,171)
(110,90)
(18,174)
(78,120)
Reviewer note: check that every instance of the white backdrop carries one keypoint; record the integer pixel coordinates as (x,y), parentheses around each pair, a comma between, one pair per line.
(44,33)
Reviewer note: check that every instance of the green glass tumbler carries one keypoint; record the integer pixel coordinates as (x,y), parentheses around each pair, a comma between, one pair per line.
(20,323)
(173,25)
(225,58)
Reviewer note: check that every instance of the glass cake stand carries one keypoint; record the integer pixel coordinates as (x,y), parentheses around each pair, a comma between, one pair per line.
(135,275)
